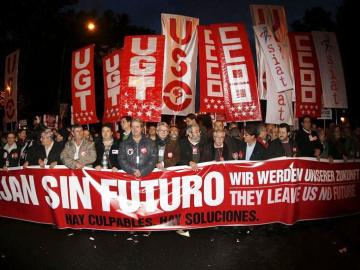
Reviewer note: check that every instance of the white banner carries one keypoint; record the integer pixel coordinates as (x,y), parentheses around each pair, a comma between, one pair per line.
(275,18)
(180,63)
(279,70)
(10,86)
(331,70)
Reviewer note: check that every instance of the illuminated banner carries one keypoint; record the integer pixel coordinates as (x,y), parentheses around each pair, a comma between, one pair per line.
(10,86)
(307,75)
(331,70)
(230,193)
(142,75)
(211,89)
(238,72)
(181,49)
(83,86)
(111,72)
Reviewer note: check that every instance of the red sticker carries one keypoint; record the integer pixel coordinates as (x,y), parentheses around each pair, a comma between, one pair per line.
(170,155)
(143,150)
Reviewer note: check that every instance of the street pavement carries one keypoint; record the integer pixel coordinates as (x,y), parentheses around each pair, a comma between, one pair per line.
(324,244)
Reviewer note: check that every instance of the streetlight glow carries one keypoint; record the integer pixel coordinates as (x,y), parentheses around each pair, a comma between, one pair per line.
(91,26)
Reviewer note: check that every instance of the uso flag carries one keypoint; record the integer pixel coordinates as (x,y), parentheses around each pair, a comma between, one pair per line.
(83,86)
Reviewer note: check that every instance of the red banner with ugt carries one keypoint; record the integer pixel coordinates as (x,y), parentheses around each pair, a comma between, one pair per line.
(307,75)
(228,193)
(83,86)
(238,72)
(142,77)
(111,72)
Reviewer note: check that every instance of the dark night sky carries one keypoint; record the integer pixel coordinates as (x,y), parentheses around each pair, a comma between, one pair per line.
(147,13)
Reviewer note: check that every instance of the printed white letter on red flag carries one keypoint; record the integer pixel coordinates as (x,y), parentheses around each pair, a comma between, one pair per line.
(111,71)
(83,86)
(141,77)
(307,75)
(181,48)
(238,73)
(211,89)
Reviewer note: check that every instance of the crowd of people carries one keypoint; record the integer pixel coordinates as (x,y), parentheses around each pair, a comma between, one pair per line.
(166,145)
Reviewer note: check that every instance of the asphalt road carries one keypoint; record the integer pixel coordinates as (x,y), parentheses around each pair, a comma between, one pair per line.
(324,244)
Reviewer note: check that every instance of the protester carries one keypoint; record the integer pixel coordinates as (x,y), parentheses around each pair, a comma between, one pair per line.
(125,123)
(10,152)
(24,144)
(288,146)
(192,147)
(152,133)
(217,150)
(275,148)
(231,144)
(79,152)
(307,140)
(138,155)
(252,149)
(46,153)
(107,150)
(337,145)
(168,147)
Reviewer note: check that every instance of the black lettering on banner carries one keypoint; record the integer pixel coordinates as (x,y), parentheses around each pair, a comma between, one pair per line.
(110,221)
(197,218)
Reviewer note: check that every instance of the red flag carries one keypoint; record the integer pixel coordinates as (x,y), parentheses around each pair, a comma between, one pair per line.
(142,77)
(307,75)
(238,72)
(211,89)
(111,71)
(83,86)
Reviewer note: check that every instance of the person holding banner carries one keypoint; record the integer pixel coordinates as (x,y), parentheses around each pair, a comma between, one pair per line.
(168,149)
(79,152)
(217,150)
(307,140)
(46,153)
(288,145)
(137,155)
(10,157)
(252,149)
(107,150)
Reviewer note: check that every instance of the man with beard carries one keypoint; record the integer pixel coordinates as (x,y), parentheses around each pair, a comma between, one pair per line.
(192,148)
(107,150)
(168,147)
(138,155)
(288,146)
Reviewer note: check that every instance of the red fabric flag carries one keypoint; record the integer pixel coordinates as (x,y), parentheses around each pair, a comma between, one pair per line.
(238,72)
(142,77)
(307,75)
(83,86)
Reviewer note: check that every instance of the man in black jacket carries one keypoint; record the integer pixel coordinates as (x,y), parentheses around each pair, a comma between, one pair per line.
(307,140)
(252,149)
(46,153)
(218,149)
(11,152)
(138,155)
(107,150)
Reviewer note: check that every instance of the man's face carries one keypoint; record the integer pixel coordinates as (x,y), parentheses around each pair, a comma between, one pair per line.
(218,125)
(45,139)
(10,139)
(78,133)
(189,122)
(22,135)
(263,133)
(136,128)
(152,130)
(283,134)
(249,138)
(194,134)
(162,132)
(106,133)
(219,138)
(87,134)
(174,133)
(307,123)
(125,125)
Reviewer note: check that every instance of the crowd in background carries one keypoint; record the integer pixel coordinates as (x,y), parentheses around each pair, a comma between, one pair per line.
(194,140)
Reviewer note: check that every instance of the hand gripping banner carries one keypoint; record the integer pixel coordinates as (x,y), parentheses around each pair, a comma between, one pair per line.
(10,86)
(181,48)
(235,193)
(112,79)
(331,70)
(307,75)
(142,75)
(211,89)
(238,72)
(83,86)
